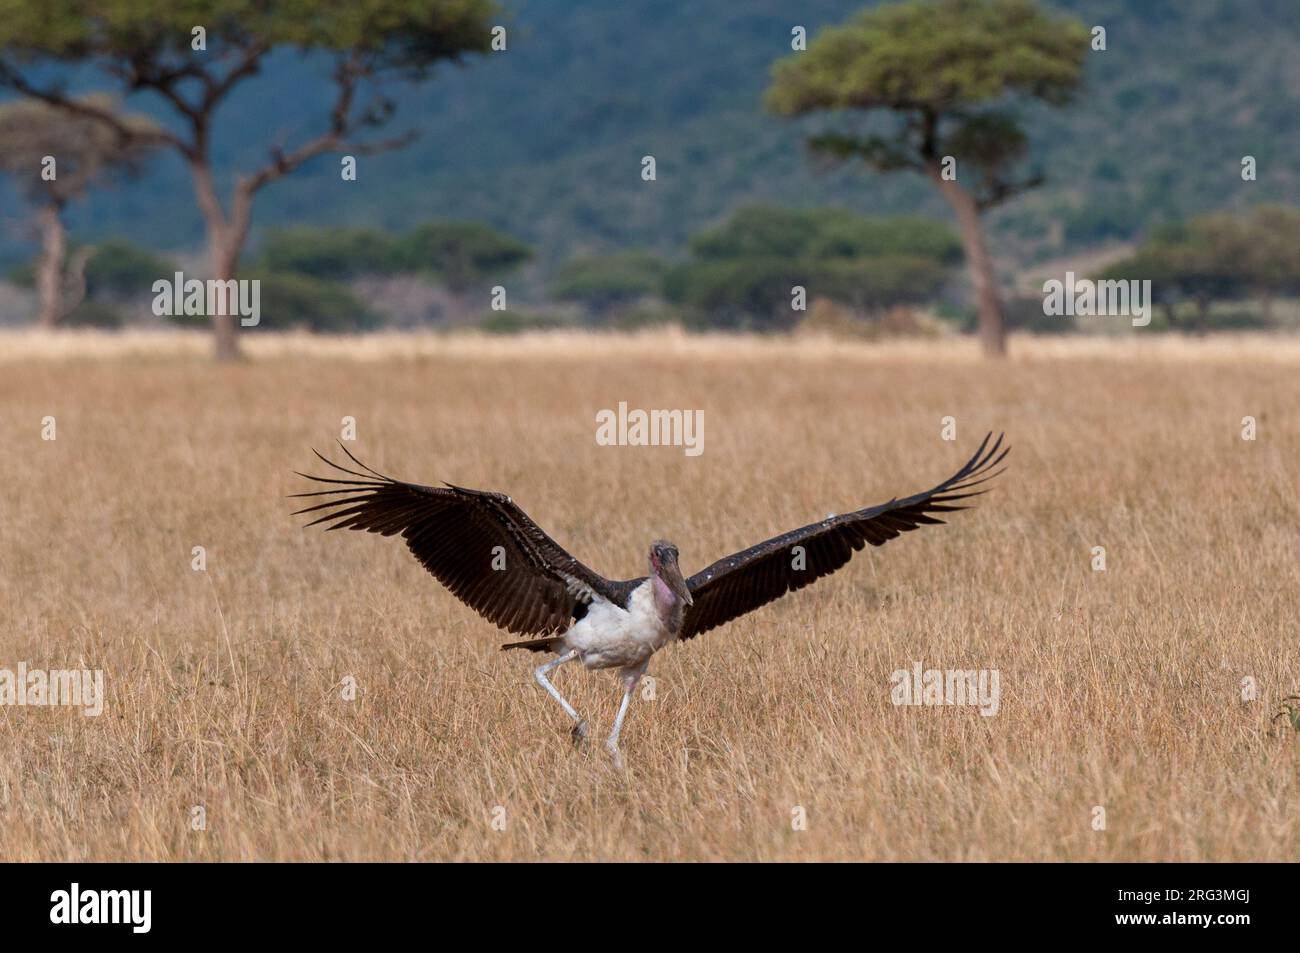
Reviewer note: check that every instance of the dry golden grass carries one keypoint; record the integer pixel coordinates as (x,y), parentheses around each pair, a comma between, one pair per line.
(1119,688)
(22,346)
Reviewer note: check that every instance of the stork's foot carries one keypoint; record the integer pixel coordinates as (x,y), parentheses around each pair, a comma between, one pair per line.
(579,733)
(615,755)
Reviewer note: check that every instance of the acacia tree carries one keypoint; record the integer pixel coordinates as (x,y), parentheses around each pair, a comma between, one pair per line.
(194,53)
(54,157)
(1218,257)
(943,68)
(1264,246)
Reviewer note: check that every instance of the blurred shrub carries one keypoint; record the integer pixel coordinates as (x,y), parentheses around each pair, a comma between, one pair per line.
(745,270)
(121,269)
(1026,314)
(756,293)
(649,315)
(761,231)
(606,283)
(335,254)
(514,322)
(300,301)
(91,313)
(461,254)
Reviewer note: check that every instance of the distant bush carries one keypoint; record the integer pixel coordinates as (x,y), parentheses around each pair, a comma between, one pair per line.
(605,283)
(874,284)
(1026,314)
(120,269)
(1189,317)
(333,254)
(299,301)
(747,293)
(515,322)
(762,231)
(755,293)
(759,232)
(460,254)
(91,313)
(1211,259)
(745,270)
(902,236)
(115,269)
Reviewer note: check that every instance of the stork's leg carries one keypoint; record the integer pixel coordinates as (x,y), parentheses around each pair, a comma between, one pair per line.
(580,724)
(630,677)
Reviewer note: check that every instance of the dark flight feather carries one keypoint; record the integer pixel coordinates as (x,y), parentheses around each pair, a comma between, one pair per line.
(454,532)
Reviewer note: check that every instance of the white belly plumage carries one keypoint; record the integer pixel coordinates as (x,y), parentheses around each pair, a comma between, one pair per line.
(609,635)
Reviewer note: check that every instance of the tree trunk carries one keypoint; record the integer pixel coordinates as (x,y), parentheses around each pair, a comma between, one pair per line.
(49,269)
(225,325)
(74,289)
(225,240)
(992,331)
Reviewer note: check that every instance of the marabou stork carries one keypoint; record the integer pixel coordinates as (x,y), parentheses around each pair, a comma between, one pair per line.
(496,560)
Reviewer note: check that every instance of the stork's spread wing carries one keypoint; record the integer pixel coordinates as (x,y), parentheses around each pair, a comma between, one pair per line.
(743,582)
(478,544)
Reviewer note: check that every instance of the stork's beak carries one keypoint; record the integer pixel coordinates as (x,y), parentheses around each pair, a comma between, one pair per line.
(678,584)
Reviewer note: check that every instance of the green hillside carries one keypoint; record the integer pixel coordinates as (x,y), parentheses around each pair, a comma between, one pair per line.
(546,139)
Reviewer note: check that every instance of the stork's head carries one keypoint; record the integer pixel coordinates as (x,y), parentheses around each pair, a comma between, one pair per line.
(663,567)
